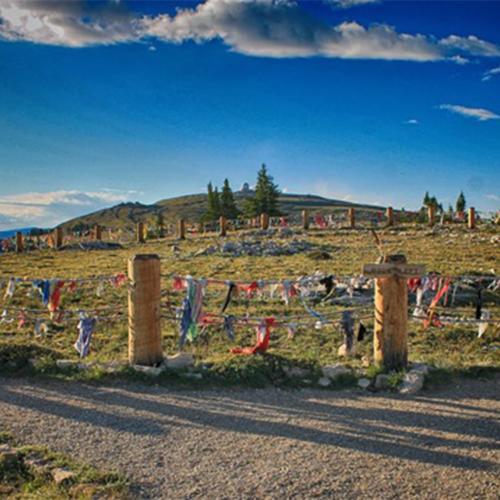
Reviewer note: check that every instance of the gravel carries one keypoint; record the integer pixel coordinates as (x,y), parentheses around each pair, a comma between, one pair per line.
(269,442)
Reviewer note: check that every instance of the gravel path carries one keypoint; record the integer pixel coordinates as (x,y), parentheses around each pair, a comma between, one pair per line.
(270,443)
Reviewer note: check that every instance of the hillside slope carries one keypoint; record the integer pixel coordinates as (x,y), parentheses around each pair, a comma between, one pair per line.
(192,207)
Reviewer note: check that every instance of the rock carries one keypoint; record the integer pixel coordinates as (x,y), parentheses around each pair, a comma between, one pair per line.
(324,382)
(365,361)
(179,361)
(364,383)
(382,382)
(112,366)
(343,352)
(295,371)
(62,476)
(334,371)
(67,363)
(152,371)
(420,367)
(413,382)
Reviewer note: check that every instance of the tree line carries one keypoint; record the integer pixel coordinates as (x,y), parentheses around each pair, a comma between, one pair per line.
(263,201)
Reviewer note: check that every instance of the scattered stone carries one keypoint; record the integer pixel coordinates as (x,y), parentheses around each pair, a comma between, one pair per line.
(296,371)
(364,383)
(62,476)
(152,371)
(420,367)
(334,371)
(343,352)
(366,361)
(92,245)
(413,382)
(382,382)
(324,382)
(179,361)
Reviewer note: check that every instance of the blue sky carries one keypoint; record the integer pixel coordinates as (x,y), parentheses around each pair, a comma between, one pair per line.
(103,102)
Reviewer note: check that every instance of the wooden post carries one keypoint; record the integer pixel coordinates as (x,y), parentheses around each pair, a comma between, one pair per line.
(58,238)
(222,226)
(390,216)
(264,221)
(97,232)
(390,339)
(431,215)
(305,219)
(19,242)
(140,232)
(144,314)
(181,229)
(351,218)
(471,221)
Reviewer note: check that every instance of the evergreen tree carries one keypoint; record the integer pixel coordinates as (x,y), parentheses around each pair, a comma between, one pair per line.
(427,199)
(227,204)
(266,196)
(213,209)
(460,205)
(160,224)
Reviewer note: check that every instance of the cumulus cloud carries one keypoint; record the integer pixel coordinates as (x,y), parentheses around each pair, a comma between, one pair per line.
(70,24)
(480,114)
(51,208)
(265,28)
(488,75)
(412,121)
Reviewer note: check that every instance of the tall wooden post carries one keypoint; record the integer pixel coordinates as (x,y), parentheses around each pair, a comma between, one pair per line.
(181,229)
(351,218)
(19,242)
(97,233)
(471,221)
(390,216)
(222,226)
(305,219)
(431,215)
(140,232)
(264,221)
(144,314)
(58,238)
(390,339)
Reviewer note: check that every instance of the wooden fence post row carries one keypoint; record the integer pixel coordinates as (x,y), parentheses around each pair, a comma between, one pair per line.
(140,232)
(181,229)
(351,218)
(471,220)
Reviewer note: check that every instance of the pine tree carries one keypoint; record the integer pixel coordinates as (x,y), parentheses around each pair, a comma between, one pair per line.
(427,199)
(460,205)
(227,204)
(266,196)
(213,209)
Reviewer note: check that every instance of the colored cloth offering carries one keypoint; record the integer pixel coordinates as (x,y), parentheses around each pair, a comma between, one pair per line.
(263,332)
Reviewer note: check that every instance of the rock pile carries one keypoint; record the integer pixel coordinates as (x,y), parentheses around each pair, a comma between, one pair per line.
(257,247)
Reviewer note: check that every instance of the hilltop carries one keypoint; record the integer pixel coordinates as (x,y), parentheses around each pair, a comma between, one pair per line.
(192,207)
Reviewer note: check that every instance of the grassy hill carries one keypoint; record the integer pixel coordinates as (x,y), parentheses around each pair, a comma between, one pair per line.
(192,207)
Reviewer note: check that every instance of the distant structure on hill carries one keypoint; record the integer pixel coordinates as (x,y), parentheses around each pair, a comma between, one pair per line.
(245,188)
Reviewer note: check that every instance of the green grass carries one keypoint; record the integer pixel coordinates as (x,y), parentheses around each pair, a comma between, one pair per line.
(19,481)
(450,348)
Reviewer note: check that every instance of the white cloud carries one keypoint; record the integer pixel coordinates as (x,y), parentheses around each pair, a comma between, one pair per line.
(51,208)
(488,75)
(493,197)
(347,4)
(480,114)
(266,28)
(412,121)
(152,48)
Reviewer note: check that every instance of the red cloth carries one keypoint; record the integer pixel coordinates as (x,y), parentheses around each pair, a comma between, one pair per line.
(432,318)
(251,289)
(263,338)
(55,297)
(119,279)
(283,222)
(319,220)
(178,283)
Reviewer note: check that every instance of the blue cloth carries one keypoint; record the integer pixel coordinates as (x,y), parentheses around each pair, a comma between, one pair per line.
(85,328)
